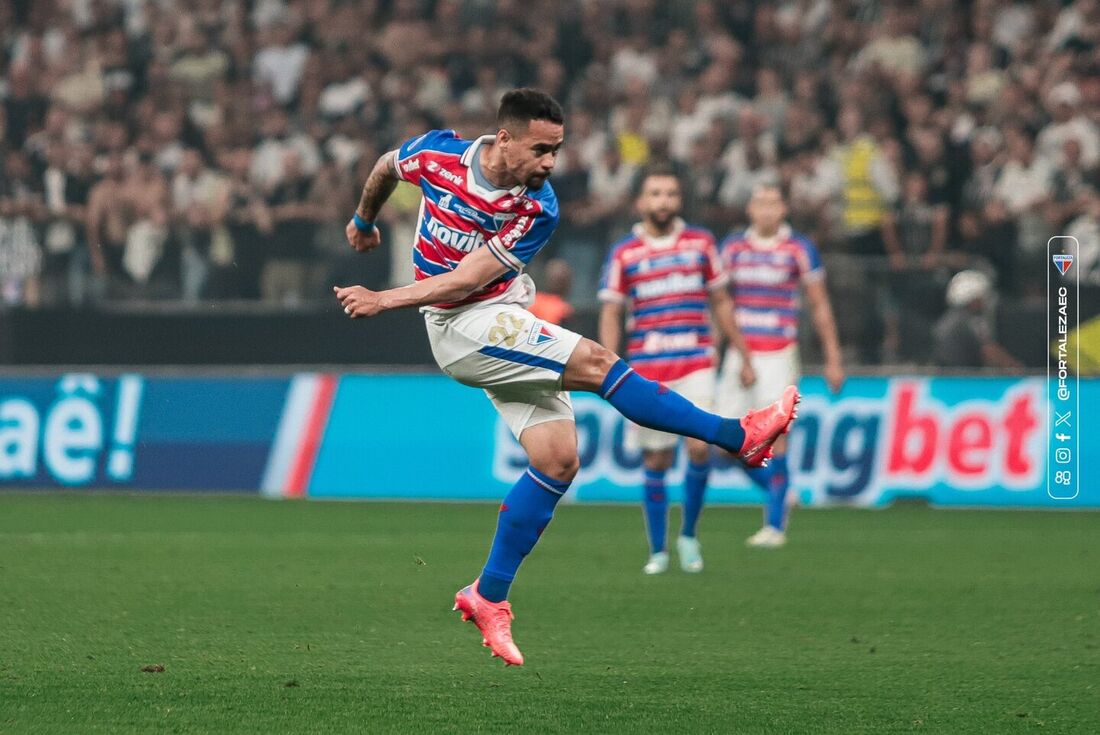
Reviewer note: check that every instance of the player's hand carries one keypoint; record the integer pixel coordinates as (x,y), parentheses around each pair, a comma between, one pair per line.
(358,301)
(834,376)
(362,241)
(748,374)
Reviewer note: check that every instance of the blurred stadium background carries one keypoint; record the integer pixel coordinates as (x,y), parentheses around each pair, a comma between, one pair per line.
(213,151)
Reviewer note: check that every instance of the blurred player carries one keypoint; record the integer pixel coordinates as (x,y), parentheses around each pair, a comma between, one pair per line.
(487,210)
(767,264)
(551,303)
(665,274)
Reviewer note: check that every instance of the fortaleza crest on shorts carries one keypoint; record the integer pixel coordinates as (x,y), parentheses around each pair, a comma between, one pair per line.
(540,335)
(1062,261)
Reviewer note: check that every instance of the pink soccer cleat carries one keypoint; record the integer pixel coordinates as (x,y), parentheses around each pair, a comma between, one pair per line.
(763,426)
(493,619)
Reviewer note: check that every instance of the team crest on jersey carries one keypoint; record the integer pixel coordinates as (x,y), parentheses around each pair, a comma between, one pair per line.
(540,335)
(503,218)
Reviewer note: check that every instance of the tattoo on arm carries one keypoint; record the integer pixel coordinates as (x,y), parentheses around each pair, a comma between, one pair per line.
(380,184)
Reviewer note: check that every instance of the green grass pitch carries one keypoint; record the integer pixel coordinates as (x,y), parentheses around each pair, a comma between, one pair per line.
(335,617)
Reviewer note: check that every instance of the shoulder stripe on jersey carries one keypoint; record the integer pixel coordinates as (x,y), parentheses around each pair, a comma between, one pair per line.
(494,244)
(503,262)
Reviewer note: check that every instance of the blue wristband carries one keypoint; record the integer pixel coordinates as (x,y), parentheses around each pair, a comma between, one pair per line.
(361,224)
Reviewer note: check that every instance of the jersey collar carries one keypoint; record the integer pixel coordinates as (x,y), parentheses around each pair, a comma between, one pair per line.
(470,160)
(768,243)
(665,241)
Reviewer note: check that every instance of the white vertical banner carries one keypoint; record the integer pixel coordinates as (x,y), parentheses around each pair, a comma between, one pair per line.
(1063,368)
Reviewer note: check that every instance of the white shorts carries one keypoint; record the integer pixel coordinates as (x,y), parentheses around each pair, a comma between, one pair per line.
(774,372)
(516,358)
(697,387)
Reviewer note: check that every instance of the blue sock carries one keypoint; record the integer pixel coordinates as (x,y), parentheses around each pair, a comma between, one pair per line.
(655,504)
(774,480)
(651,404)
(695,488)
(525,512)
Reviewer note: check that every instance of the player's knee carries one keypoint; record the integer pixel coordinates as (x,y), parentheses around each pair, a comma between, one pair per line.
(559,464)
(588,366)
(698,452)
(659,460)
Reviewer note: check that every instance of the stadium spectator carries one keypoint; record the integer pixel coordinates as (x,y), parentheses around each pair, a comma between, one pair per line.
(1068,123)
(143,256)
(281,61)
(915,235)
(1024,188)
(200,203)
(296,215)
(24,106)
(249,225)
(21,209)
(67,184)
(869,183)
(109,215)
(963,336)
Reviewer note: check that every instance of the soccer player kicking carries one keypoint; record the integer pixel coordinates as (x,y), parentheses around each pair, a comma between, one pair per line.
(487,209)
(667,273)
(767,264)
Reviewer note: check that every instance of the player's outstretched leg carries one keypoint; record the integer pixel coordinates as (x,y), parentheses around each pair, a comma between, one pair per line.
(596,369)
(655,510)
(695,488)
(526,511)
(774,480)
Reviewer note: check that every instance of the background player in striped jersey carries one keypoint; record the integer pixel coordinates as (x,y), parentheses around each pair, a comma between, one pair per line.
(487,209)
(667,279)
(767,265)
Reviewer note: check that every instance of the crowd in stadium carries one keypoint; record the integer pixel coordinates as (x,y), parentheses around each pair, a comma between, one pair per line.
(154,149)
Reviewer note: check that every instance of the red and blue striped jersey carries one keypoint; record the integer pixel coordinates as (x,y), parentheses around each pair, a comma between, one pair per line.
(461,211)
(765,276)
(665,282)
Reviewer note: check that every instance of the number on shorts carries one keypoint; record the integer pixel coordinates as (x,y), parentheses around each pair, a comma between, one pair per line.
(507,330)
